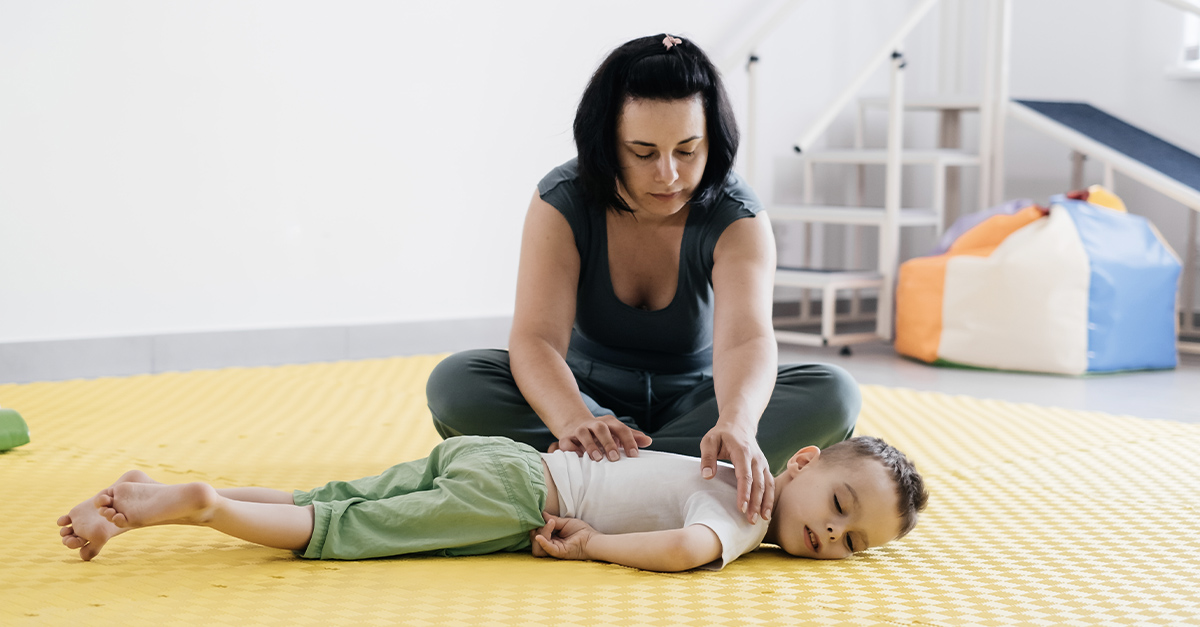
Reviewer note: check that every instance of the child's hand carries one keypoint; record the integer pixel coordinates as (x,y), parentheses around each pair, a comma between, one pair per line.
(564,538)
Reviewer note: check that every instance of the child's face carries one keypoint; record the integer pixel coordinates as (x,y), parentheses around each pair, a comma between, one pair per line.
(830,510)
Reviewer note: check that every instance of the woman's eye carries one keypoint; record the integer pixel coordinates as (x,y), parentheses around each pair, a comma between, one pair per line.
(644,157)
(837,504)
(687,154)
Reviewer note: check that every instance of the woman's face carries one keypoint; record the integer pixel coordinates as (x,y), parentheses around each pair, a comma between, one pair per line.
(662,151)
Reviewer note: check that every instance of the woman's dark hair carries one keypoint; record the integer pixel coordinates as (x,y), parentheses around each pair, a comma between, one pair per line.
(646,69)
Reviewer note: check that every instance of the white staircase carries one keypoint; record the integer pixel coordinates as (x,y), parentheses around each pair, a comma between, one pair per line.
(943,165)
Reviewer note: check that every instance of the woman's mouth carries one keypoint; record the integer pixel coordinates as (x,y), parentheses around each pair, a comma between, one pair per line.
(666,197)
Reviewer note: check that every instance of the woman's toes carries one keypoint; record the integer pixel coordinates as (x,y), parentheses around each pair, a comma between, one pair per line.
(64,520)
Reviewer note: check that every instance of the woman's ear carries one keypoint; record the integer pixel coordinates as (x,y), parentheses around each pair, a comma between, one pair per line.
(803,457)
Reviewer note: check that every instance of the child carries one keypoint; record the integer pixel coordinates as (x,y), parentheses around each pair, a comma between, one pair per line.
(476,495)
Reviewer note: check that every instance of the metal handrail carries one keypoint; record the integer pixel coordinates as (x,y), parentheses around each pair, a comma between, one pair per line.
(1185,5)
(736,58)
(881,56)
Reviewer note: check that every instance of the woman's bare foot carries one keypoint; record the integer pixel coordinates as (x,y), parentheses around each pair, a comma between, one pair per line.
(132,505)
(85,529)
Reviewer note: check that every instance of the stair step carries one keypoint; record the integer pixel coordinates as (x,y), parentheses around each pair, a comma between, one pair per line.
(926,103)
(871,216)
(818,279)
(933,156)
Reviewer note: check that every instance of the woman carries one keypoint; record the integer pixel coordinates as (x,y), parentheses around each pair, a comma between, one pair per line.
(643,313)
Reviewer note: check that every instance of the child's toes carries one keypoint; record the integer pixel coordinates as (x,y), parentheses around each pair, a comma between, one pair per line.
(103,499)
(73,542)
(88,552)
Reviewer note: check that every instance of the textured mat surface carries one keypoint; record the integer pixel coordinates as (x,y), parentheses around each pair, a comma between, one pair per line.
(1037,516)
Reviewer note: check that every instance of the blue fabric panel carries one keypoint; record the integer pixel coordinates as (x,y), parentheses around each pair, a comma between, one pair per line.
(1131,299)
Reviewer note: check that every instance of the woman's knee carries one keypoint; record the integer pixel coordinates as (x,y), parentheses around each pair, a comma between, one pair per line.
(831,399)
(845,398)
(464,385)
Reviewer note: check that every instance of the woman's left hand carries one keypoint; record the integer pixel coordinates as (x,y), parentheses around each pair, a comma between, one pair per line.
(755,484)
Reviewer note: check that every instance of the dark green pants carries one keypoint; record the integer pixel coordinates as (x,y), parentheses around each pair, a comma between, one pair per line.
(473,393)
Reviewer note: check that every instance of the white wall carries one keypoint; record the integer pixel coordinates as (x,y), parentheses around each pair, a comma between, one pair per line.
(203,166)
(196,166)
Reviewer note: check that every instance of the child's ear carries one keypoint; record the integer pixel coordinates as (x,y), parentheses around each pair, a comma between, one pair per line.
(803,457)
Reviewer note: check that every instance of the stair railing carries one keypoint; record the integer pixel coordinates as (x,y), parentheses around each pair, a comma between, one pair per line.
(889,231)
(744,52)
(1186,5)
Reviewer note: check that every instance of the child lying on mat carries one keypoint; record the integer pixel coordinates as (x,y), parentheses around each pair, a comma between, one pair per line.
(476,495)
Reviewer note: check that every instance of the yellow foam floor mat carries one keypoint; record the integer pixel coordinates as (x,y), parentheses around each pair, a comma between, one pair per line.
(1038,516)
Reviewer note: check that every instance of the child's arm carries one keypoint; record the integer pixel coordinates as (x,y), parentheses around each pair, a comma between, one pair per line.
(672,550)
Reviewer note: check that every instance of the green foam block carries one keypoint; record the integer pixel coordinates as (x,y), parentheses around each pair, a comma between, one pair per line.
(13,430)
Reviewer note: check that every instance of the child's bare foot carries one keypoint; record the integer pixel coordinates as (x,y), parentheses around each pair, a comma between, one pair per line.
(132,505)
(85,529)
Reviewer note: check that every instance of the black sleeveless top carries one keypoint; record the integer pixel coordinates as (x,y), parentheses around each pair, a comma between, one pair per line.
(675,339)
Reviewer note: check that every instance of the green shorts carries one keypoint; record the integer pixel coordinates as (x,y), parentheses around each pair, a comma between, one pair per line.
(472,495)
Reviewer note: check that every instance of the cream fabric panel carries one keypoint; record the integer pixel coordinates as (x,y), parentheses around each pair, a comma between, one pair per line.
(1025,306)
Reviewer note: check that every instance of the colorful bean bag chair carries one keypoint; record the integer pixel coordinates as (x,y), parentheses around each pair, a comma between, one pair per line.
(1081,287)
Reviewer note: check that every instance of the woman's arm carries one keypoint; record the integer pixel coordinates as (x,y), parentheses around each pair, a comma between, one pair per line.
(547,280)
(668,551)
(745,359)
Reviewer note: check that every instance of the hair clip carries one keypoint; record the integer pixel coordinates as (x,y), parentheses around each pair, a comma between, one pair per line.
(669,41)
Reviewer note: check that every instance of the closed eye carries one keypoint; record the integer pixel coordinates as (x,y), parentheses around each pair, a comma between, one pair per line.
(644,157)
(850,543)
(687,154)
(837,504)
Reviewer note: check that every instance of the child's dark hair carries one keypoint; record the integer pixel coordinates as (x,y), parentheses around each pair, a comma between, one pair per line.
(910,486)
(645,68)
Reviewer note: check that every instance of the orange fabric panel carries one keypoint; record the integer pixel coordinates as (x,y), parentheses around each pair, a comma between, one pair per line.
(919,306)
(981,240)
(922,281)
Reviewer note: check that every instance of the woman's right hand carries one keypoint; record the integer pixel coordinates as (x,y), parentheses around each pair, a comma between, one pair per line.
(601,437)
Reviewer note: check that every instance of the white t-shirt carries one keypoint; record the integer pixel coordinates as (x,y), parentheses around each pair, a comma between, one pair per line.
(654,492)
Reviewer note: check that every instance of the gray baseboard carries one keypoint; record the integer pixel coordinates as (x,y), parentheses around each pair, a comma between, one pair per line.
(24,362)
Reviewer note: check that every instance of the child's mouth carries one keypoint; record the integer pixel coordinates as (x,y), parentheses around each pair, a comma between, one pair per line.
(812,538)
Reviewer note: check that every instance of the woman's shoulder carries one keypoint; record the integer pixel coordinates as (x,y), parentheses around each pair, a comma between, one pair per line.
(562,179)
(560,189)
(735,199)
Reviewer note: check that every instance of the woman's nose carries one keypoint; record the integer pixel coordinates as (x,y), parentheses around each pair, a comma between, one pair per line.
(667,172)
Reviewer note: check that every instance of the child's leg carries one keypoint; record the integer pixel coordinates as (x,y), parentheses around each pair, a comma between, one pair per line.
(257,495)
(277,525)
(85,529)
